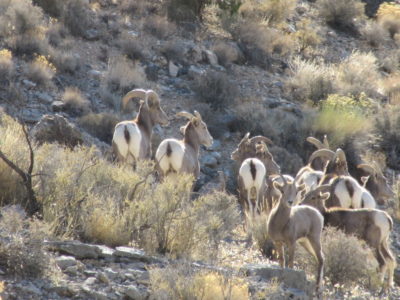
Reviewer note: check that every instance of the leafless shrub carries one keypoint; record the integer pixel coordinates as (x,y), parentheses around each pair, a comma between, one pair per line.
(123,75)
(391,86)
(41,71)
(216,89)
(226,53)
(66,61)
(77,17)
(391,23)
(99,125)
(159,26)
(131,46)
(51,7)
(56,33)
(185,10)
(389,61)
(6,65)
(374,34)
(28,44)
(133,6)
(75,102)
(173,50)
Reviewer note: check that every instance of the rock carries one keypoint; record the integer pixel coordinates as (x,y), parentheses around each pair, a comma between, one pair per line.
(56,129)
(103,278)
(289,277)
(90,281)
(75,248)
(110,273)
(31,115)
(216,155)
(58,106)
(105,252)
(92,35)
(72,270)
(173,69)
(28,83)
(216,145)
(44,97)
(211,57)
(95,74)
(372,6)
(65,290)
(195,54)
(133,292)
(64,261)
(209,161)
(194,72)
(135,254)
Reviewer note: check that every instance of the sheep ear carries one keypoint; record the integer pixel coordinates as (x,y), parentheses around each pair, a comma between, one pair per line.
(277,185)
(325,196)
(195,121)
(182,129)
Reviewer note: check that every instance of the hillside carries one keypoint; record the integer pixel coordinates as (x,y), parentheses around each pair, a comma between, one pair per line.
(284,69)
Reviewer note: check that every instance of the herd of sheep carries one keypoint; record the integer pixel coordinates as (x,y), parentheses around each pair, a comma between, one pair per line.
(323,193)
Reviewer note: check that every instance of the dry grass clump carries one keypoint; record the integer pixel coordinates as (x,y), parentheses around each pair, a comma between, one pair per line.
(99,125)
(159,26)
(310,81)
(182,282)
(75,102)
(22,251)
(358,74)
(374,33)
(226,53)
(307,35)
(185,10)
(133,6)
(389,17)
(274,12)
(260,235)
(348,260)
(65,61)
(41,70)
(391,87)
(174,51)
(341,14)
(51,7)
(55,33)
(123,75)
(131,46)
(216,89)
(6,65)
(389,61)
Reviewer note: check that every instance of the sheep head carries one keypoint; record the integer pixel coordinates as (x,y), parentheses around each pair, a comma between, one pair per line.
(247,147)
(199,127)
(316,198)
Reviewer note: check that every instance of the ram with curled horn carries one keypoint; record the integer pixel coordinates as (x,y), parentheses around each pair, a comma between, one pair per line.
(182,156)
(132,139)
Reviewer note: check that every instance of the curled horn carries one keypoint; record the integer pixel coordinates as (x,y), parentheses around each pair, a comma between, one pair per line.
(367,168)
(185,114)
(153,95)
(329,154)
(322,189)
(245,138)
(197,114)
(326,143)
(260,138)
(341,155)
(317,143)
(137,93)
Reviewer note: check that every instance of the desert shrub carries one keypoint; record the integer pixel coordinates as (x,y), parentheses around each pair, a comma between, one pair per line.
(131,46)
(310,81)
(226,53)
(183,282)
(22,248)
(65,61)
(391,87)
(77,17)
(28,44)
(347,259)
(387,133)
(51,7)
(306,35)
(133,6)
(110,99)
(186,10)
(388,16)
(174,51)
(260,235)
(123,75)
(55,33)
(159,26)
(12,144)
(19,17)
(216,89)
(273,12)
(358,74)
(341,14)
(99,125)
(389,61)
(343,117)
(374,33)
(41,70)
(6,65)
(75,102)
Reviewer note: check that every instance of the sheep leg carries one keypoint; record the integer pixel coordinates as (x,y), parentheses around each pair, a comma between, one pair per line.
(382,263)
(390,262)
(281,253)
(317,249)
(291,249)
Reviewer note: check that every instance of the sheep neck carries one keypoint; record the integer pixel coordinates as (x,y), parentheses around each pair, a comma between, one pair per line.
(144,121)
(192,138)
(281,212)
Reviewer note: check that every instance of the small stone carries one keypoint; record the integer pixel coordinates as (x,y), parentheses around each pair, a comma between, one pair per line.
(64,261)
(90,281)
(111,274)
(216,145)
(216,155)
(92,34)
(194,72)
(173,69)
(95,74)
(211,57)
(29,83)
(103,278)
(72,270)
(57,106)
(209,161)
(44,97)
(133,292)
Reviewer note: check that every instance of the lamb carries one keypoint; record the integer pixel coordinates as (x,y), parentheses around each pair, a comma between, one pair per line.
(182,156)
(132,139)
(371,225)
(288,224)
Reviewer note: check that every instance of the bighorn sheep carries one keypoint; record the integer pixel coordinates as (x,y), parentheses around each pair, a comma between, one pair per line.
(371,225)
(377,184)
(132,139)
(182,156)
(288,224)
(247,149)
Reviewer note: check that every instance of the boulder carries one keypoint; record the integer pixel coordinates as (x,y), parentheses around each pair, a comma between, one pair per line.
(75,248)
(56,128)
